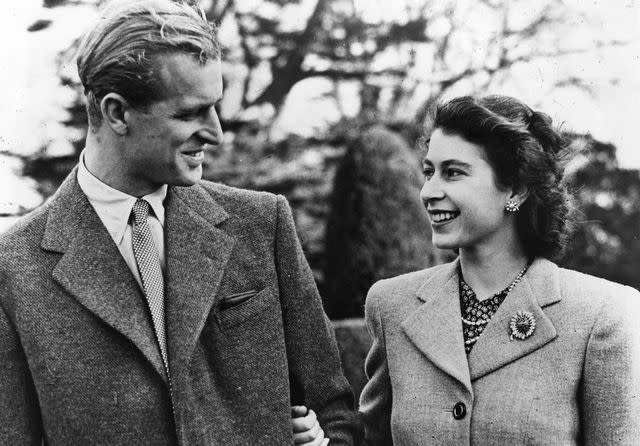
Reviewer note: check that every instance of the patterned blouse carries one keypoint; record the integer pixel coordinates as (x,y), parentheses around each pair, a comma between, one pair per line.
(476,314)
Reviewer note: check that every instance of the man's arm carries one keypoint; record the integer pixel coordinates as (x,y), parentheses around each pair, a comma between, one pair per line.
(611,380)
(20,422)
(314,362)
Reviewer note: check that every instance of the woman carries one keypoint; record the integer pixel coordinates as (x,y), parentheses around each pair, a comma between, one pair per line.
(500,346)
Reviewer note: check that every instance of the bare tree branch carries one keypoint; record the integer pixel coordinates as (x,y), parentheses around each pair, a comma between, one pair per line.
(286,67)
(507,63)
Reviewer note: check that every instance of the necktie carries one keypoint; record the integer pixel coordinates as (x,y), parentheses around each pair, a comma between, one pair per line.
(148,261)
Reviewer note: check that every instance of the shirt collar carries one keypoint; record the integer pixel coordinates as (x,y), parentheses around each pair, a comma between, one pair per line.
(114,206)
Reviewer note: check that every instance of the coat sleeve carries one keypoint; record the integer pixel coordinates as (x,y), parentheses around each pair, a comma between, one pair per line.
(20,422)
(611,376)
(375,400)
(315,373)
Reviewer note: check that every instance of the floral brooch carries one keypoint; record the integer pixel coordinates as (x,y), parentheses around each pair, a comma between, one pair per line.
(522,325)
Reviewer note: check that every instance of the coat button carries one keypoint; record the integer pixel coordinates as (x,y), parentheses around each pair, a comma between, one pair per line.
(459,411)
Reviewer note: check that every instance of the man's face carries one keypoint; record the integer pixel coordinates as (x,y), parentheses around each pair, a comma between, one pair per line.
(166,140)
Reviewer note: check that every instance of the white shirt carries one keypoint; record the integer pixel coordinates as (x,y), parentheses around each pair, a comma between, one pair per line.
(114,209)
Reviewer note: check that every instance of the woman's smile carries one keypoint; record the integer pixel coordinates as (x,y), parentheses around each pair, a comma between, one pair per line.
(440,217)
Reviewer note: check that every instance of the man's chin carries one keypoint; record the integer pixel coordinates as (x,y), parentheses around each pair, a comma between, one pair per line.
(186,183)
(188,178)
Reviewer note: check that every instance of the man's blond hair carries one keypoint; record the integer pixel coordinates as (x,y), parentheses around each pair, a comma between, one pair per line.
(118,55)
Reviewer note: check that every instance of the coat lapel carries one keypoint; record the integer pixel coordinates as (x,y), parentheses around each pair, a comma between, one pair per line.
(196,252)
(93,271)
(538,288)
(435,327)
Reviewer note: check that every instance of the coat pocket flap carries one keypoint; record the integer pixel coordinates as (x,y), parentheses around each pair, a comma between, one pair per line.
(244,307)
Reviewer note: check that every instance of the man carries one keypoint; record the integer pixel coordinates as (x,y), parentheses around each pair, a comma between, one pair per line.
(141,305)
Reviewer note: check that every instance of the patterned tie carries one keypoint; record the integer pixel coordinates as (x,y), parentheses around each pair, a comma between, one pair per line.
(150,271)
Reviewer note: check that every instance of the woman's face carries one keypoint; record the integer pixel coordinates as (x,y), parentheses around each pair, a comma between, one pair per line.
(466,208)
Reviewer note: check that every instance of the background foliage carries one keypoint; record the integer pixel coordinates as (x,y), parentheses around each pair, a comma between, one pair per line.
(348,163)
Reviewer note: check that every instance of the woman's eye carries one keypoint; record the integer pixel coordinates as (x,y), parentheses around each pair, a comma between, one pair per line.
(451,173)
(428,172)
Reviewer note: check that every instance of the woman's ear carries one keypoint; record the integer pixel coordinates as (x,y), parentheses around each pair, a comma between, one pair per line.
(519,195)
(113,107)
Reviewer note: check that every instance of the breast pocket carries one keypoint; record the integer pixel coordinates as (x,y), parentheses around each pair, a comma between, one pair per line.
(247,309)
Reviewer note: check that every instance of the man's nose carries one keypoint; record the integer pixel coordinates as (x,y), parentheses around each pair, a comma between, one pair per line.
(211,130)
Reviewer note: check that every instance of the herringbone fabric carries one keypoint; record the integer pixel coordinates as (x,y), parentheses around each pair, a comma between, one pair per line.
(92,370)
(574,381)
(150,271)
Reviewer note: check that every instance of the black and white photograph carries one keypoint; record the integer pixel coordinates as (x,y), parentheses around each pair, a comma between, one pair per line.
(320,222)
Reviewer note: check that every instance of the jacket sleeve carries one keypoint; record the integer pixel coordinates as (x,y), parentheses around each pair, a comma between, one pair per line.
(20,422)
(315,372)
(611,376)
(375,400)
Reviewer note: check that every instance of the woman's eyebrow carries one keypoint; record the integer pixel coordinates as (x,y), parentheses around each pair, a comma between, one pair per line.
(457,163)
(449,163)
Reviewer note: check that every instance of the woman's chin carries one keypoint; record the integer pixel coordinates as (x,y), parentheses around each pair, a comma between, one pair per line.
(442,243)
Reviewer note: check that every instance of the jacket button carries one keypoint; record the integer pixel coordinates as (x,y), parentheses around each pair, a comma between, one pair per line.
(459,411)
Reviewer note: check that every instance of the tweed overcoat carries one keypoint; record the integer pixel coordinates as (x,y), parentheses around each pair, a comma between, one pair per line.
(575,380)
(79,364)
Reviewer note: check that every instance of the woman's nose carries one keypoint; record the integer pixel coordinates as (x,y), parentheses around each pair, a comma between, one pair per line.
(431,190)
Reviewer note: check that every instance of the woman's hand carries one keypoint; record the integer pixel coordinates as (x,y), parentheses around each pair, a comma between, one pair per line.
(306,429)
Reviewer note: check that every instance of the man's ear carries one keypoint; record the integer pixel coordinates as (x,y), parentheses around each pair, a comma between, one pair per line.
(114,107)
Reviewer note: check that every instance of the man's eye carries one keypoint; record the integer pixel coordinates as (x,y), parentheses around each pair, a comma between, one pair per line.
(428,172)
(451,173)
(188,116)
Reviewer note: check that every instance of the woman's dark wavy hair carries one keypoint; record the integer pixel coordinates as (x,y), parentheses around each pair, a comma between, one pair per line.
(525,151)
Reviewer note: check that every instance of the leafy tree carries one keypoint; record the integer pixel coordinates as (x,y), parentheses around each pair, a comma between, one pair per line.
(607,243)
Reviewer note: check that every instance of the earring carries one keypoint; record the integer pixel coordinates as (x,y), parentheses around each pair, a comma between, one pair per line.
(512,206)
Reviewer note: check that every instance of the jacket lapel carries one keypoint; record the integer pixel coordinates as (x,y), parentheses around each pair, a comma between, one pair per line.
(435,327)
(196,252)
(538,288)
(93,271)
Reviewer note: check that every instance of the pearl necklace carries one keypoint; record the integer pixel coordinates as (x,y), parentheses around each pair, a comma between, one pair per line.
(486,321)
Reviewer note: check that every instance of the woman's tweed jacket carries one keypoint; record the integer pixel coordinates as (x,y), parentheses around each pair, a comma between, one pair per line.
(574,381)
(79,364)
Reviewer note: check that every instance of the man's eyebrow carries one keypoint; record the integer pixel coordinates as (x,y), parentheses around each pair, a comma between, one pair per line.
(187,108)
